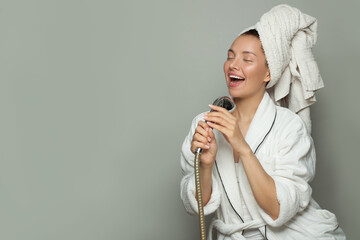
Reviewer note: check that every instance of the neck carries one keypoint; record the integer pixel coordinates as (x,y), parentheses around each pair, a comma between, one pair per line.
(246,107)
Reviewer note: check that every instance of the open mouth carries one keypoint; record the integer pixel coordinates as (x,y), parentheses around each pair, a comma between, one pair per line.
(235,80)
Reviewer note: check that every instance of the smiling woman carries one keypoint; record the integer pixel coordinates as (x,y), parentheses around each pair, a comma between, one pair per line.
(259,159)
(245,69)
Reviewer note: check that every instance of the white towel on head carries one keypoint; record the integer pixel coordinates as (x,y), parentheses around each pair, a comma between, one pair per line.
(287,36)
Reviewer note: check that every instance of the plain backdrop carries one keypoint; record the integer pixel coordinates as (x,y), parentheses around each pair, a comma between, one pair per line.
(96,97)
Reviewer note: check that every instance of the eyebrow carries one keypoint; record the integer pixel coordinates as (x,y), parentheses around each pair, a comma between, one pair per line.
(246,52)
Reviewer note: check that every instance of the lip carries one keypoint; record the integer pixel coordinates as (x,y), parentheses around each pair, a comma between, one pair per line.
(235,84)
(231,73)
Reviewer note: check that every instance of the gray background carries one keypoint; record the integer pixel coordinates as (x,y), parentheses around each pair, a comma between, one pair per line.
(96,98)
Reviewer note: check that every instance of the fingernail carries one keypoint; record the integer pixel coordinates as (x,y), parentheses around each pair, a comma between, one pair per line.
(209,139)
(206,129)
(207,146)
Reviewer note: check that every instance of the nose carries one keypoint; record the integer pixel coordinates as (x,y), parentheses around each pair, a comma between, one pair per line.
(235,64)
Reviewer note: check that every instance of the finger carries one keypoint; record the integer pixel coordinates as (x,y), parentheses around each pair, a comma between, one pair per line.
(216,116)
(203,124)
(220,109)
(211,135)
(201,130)
(223,114)
(197,145)
(218,120)
(199,138)
(226,115)
(218,127)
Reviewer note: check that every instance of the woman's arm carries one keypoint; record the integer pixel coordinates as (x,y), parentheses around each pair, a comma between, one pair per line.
(206,183)
(284,191)
(210,188)
(262,184)
(204,138)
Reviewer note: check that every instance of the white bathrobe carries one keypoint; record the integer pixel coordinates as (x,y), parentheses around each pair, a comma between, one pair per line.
(285,149)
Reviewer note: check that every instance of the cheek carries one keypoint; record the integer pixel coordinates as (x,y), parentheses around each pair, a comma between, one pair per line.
(254,71)
(226,66)
(250,70)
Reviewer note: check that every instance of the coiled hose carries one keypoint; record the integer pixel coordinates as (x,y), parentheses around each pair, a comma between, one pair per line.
(229,105)
(199,196)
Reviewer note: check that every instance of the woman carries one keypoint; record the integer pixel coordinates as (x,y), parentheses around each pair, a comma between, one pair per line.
(257,161)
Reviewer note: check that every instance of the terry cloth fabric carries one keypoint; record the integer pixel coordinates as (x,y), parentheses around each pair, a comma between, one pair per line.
(287,36)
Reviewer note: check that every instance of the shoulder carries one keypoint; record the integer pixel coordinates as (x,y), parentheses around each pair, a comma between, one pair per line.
(196,119)
(194,123)
(290,123)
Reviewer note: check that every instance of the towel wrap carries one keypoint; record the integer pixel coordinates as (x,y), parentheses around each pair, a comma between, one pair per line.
(287,36)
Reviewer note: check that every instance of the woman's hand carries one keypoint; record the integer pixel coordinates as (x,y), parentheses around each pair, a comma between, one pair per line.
(262,184)
(223,121)
(204,138)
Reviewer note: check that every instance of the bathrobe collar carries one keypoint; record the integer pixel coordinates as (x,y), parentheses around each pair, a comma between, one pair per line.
(259,127)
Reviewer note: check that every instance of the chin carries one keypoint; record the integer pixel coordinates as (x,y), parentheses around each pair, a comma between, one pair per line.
(235,94)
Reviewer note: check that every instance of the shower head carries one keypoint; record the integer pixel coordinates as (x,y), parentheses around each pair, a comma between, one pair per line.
(225,102)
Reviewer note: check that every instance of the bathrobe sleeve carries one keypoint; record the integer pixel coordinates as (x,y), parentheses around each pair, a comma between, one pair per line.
(187,185)
(294,168)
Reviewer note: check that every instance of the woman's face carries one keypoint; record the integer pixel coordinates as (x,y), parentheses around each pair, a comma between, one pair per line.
(245,69)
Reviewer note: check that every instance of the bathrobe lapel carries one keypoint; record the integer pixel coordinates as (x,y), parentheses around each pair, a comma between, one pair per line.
(260,126)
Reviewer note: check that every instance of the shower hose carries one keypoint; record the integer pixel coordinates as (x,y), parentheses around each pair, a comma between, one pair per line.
(199,195)
(229,105)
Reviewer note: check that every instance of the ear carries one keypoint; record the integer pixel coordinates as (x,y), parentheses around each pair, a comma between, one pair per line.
(268,76)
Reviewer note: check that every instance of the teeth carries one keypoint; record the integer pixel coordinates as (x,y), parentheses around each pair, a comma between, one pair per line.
(233,76)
